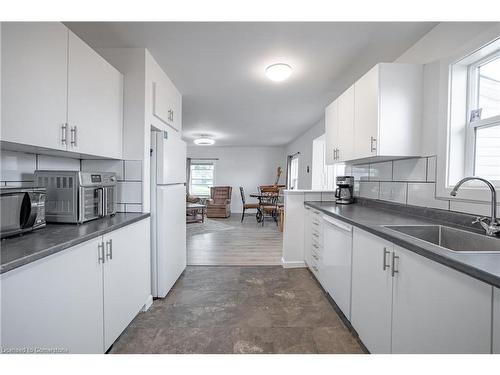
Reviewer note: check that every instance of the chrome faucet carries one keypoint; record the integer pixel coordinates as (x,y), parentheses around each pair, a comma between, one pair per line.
(493,228)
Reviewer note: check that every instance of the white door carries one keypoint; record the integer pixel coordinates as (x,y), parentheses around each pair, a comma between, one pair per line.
(345,132)
(437,309)
(371,302)
(366,114)
(496,320)
(337,258)
(34,83)
(95,102)
(331,132)
(56,302)
(171,158)
(170,237)
(127,281)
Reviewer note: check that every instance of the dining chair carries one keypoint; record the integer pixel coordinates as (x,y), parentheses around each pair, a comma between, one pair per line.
(246,205)
(269,202)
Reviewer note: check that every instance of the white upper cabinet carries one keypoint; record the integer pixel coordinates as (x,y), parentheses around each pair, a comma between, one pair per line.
(378,117)
(34,81)
(58,93)
(95,102)
(496,321)
(371,299)
(388,111)
(167,101)
(331,132)
(437,309)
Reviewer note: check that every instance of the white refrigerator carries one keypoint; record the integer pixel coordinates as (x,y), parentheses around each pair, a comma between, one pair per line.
(168,210)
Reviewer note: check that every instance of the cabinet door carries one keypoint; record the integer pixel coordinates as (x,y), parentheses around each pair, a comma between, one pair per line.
(126,277)
(95,102)
(366,114)
(307,237)
(345,131)
(437,309)
(496,320)
(331,132)
(371,291)
(337,257)
(34,83)
(56,302)
(167,102)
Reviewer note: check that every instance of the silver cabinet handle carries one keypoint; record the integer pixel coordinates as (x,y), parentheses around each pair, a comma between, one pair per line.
(64,132)
(315,257)
(315,223)
(315,246)
(100,253)
(109,249)
(315,268)
(394,270)
(372,142)
(338,153)
(74,139)
(316,235)
(384,258)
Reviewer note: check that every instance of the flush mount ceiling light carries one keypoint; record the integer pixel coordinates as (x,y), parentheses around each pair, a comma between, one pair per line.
(278,72)
(204,141)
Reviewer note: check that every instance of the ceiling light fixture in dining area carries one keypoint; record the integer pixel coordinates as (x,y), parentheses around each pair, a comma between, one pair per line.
(204,141)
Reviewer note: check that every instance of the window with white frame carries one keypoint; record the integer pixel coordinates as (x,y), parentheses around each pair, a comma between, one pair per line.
(202,177)
(294,172)
(482,154)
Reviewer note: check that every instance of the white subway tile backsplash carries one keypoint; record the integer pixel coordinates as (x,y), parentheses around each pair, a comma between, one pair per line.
(129,192)
(17,166)
(312,196)
(381,171)
(369,189)
(120,207)
(361,172)
(95,165)
(133,170)
(482,209)
(393,191)
(431,168)
(133,207)
(424,194)
(328,197)
(410,170)
(19,184)
(58,163)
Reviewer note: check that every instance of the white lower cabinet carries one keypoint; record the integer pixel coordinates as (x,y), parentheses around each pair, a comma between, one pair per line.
(307,237)
(336,262)
(496,321)
(80,299)
(126,277)
(55,303)
(437,309)
(371,299)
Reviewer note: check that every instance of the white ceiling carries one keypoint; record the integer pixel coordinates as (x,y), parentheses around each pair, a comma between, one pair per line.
(219,69)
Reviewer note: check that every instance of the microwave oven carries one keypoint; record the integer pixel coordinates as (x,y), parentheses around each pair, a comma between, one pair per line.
(77,197)
(22,210)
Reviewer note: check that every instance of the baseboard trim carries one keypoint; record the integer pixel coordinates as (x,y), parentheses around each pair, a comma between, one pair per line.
(293,264)
(148,304)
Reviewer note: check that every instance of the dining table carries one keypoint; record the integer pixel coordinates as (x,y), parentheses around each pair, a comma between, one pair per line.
(264,196)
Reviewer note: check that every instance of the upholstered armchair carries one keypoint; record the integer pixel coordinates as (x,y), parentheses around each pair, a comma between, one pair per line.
(219,204)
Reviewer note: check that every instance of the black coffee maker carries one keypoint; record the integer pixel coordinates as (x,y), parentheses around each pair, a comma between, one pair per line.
(345,190)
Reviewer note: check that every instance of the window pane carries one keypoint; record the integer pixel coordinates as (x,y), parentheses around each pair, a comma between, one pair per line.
(489,88)
(202,178)
(488,153)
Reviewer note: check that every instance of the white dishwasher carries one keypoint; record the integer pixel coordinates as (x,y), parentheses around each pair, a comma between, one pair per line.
(337,260)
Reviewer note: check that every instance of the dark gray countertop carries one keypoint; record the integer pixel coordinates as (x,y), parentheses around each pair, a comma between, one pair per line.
(484,267)
(21,250)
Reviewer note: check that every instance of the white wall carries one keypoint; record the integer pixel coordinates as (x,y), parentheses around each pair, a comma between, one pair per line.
(303,144)
(242,166)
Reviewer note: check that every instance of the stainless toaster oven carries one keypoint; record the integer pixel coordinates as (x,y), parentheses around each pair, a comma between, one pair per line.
(22,210)
(77,197)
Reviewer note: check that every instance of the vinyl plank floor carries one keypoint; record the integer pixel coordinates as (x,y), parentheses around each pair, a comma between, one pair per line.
(230,242)
(238,310)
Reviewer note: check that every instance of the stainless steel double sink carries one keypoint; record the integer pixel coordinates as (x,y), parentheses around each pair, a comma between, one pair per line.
(450,238)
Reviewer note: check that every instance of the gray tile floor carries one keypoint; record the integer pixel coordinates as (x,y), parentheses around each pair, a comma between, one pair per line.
(240,310)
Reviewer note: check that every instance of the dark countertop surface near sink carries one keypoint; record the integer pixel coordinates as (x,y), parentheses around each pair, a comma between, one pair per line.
(484,266)
(21,250)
